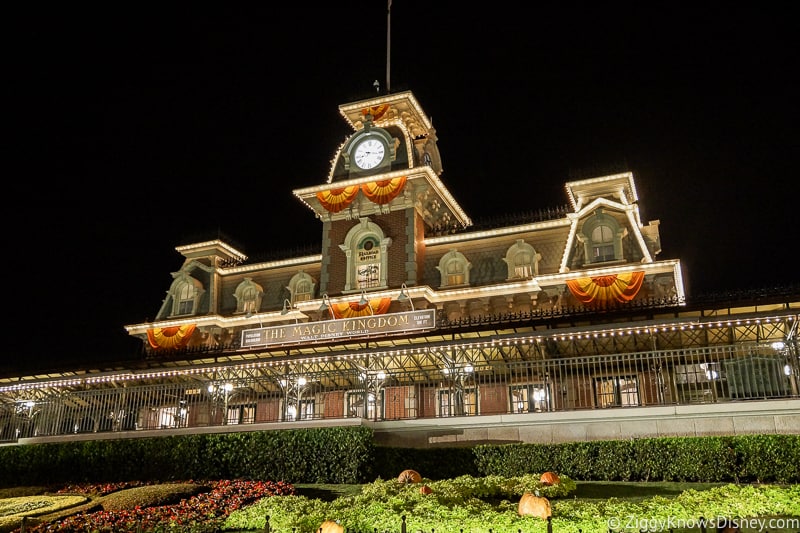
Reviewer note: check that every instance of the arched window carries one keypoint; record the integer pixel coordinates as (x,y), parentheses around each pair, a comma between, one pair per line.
(185,292)
(367,252)
(368,263)
(301,287)
(248,296)
(602,238)
(454,269)
(522,261)
(602,243)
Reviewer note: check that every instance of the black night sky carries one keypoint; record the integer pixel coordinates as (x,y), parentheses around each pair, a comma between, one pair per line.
(135,130)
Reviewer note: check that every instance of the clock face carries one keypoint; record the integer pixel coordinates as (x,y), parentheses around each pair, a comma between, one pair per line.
(369,154)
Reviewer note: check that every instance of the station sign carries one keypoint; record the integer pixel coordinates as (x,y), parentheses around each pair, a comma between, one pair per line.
(340,329)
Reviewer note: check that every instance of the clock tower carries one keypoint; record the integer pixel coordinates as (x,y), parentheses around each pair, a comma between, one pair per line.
(383,196)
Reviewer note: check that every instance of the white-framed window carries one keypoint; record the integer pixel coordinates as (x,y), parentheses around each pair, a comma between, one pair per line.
(522,261)
(454,269)
(602,244)
(185,299)
(602,238)
(367,252)
(248,296)
(185,292)
(301,287)
(368,263)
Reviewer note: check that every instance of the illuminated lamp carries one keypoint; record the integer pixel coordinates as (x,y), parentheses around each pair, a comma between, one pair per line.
(402,297)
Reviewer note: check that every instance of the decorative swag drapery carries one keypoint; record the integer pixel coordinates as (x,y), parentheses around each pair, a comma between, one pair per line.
(171,337)
(354,309)
(603,290)
(380,192)
(377,111)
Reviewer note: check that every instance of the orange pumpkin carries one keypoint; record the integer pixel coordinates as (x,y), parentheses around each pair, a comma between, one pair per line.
(549,478)
(330,526)
(533,505)
(425,489)
(409,476)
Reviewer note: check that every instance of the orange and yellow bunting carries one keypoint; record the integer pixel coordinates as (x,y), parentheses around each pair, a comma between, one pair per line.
(377,111)
(383,191)
(379,192)
(334,200)
(376,306)
(171,337)
(602,290)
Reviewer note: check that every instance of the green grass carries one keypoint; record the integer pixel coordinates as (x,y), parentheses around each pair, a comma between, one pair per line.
(635,491)
(327,493)
(589,491)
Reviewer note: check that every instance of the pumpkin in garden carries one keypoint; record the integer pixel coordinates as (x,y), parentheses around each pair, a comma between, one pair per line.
(549,478)
(409,476)
(425,489)
(533,505)
(330,526)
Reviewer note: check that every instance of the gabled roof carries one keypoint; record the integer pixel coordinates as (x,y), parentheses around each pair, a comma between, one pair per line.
(616,192)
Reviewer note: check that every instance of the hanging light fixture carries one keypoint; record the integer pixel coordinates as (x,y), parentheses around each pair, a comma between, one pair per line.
(365,302)
(403,297)
(326,305)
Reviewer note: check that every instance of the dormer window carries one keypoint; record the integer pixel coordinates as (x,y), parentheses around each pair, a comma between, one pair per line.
(302,291)
(248,297)
(186,299)
(602,244)
(522,261)
(602,238)
(249,305)
(301,287)
(455,273)
(185,292)
(454,269)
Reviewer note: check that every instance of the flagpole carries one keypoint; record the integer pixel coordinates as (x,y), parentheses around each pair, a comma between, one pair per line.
(388,45)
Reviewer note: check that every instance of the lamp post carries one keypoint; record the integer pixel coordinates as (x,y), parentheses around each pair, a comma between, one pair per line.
(373,381)
(25,412)
(220,392)
(458,374)
(789,371)
(293,389)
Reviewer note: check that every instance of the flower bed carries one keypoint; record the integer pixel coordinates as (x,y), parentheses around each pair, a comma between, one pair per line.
(200,513)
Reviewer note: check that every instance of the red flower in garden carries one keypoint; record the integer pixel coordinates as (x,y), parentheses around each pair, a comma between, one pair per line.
(207,509)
